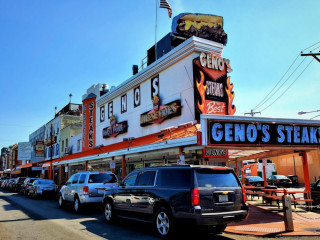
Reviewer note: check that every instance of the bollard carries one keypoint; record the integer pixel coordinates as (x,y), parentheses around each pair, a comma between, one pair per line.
(287,212)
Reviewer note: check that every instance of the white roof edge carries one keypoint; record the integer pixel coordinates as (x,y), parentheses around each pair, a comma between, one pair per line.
(193,44)
(259,119)
(146,148)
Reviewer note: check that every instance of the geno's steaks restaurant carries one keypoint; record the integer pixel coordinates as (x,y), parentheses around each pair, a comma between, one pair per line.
(179,109)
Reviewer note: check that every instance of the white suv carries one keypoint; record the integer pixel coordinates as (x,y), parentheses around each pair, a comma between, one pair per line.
(86,188)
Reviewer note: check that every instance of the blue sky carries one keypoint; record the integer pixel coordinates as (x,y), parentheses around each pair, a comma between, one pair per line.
(49,49)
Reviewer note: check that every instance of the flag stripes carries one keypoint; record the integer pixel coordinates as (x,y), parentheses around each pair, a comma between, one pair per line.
(165,4)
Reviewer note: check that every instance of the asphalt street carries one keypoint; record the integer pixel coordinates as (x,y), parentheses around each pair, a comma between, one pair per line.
(24,218)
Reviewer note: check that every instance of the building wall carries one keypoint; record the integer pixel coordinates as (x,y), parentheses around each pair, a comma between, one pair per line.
(285,165)
(76,143)
(68,133)
(175,83)
(56,129)
(37,135)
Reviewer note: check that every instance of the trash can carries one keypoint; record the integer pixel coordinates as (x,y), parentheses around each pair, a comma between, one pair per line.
(294,179)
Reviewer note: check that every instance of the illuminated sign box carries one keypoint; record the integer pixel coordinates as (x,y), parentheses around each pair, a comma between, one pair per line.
(262,133)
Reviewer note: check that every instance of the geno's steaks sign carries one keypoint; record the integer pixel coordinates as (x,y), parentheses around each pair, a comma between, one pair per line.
(248,133)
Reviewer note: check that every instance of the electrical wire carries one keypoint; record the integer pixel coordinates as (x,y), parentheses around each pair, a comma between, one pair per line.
(314,49)
(288,87)
(310,46)
(315,117)
(282,83)
(262,101)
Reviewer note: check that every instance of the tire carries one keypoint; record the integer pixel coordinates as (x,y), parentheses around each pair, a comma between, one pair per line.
(61,201)
(163,222)
(76,205)
(109,214)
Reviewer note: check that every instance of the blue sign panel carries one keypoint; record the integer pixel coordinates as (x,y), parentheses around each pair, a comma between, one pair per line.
(248,133)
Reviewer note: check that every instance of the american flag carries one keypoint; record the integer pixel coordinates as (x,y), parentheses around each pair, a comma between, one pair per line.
(165,4)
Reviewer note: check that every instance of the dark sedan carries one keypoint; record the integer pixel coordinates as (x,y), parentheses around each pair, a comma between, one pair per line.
(279,181)
(254,181)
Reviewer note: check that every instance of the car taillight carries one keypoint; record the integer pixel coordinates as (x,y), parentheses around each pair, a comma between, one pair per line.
(85,190)
(195,199)
(244,196)
(27,185)
(278,180)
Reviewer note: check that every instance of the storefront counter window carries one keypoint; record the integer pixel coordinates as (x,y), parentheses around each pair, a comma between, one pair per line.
(99,166)
(76,168)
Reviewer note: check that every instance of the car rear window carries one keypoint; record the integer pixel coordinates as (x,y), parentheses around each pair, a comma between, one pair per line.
(216,178)
(174,178)
(46,182)
(102,178)
(281,177)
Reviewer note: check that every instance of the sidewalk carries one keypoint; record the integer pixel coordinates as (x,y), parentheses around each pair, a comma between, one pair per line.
(269,221)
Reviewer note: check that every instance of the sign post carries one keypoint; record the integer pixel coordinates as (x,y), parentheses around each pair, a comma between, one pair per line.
(287,212)
(264,160)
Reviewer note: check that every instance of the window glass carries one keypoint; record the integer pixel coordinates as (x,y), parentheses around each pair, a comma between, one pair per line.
(174,178)
(146,178)
(131,179)
(216,178)
(75,179)
(82,178)
(70,179)
(102,178)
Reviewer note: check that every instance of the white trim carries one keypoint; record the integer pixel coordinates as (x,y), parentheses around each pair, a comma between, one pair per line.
(193,44)
(136,150)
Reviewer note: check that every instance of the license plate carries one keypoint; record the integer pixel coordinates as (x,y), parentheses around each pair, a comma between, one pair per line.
(223,198)
(258,185)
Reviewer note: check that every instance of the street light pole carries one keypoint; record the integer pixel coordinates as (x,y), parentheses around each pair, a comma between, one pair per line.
(302,112)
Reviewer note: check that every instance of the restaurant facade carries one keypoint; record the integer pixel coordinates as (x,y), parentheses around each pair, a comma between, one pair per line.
(179,109)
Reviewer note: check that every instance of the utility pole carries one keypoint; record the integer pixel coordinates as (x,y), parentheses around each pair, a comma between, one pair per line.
(51,152)
(252,113)
(312,54)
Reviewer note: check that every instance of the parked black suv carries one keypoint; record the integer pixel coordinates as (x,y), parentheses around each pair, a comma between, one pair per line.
(205,196)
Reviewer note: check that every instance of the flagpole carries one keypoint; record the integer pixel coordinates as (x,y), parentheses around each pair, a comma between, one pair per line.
(155,37)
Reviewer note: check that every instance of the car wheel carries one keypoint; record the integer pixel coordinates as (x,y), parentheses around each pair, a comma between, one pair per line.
(61,201)
(163,222)
(109,213)
(76,204)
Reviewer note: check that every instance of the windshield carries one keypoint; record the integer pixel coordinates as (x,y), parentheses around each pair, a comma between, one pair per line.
(102,178)
(216,178)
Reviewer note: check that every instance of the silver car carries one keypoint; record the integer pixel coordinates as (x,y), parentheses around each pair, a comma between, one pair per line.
(86,188)
(42,187)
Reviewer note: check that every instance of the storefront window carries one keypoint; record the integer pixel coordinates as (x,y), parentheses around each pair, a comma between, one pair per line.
(99,166)
(76,168)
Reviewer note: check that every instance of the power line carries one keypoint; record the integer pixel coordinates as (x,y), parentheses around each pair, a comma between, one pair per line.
(282,83)
(263,100)
(288,87)
(310,46)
